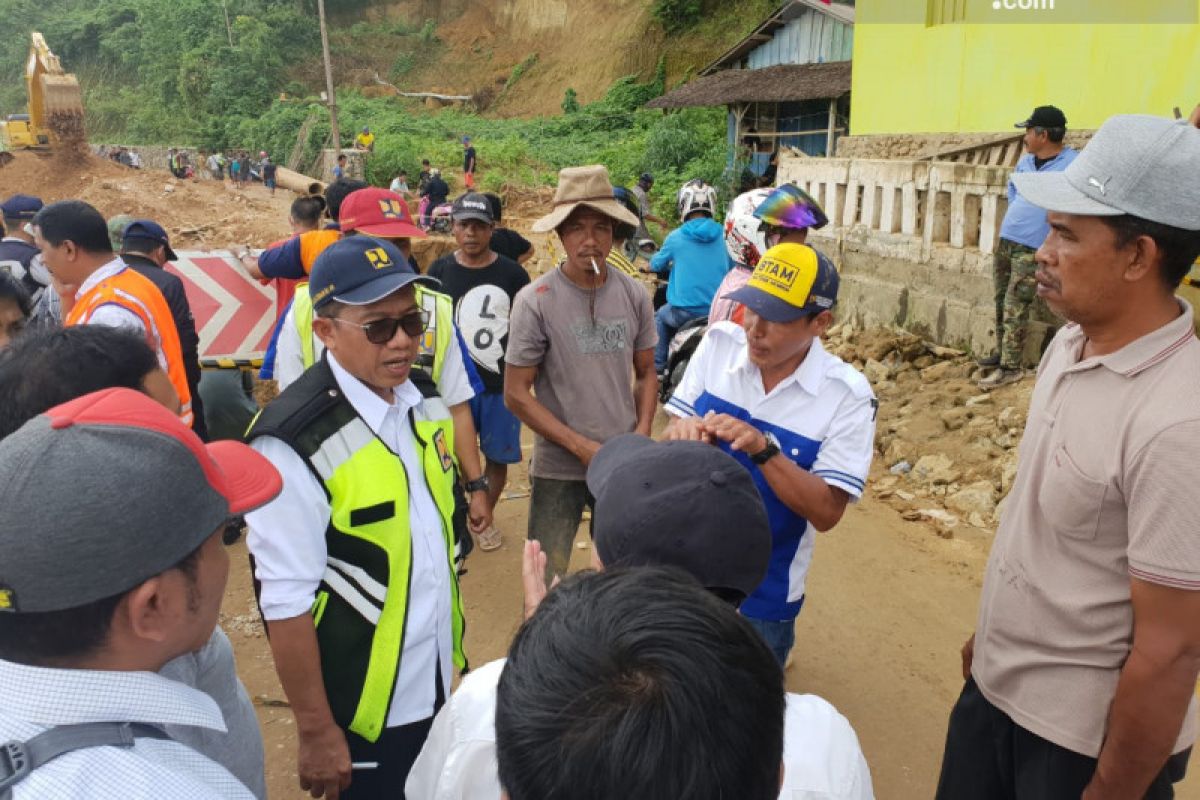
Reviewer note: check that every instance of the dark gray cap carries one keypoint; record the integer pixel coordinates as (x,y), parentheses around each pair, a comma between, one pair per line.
(683,504)
(106,491)
(472,206)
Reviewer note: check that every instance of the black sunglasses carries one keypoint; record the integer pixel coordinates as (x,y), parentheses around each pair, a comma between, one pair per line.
(381,331)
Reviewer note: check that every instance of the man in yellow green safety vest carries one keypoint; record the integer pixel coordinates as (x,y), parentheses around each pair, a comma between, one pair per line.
(384,215)
(354,562)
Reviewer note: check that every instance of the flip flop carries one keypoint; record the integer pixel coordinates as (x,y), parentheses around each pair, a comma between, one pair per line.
(490,539)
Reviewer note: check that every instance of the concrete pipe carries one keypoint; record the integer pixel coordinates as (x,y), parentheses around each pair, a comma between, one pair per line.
(295,182)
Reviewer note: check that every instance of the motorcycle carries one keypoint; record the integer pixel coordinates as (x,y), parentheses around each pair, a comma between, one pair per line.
(679,354)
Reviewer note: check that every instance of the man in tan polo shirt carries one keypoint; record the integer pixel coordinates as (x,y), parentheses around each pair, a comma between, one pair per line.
(1081,675)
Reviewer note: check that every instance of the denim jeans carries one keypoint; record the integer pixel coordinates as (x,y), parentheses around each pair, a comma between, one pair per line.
(780,636)
(668,320)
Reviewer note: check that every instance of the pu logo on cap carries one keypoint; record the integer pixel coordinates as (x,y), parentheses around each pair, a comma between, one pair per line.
(391,209)
(379,258)
(1102,186)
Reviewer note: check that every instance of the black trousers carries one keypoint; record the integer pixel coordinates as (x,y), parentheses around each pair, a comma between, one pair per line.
(395,751)
(990,757)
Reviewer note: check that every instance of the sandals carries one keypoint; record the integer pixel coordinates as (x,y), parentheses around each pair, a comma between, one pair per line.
(490,539)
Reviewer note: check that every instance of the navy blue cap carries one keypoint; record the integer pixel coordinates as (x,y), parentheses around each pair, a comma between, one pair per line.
(21,206)
(360,270)
(682,504)
(149,229)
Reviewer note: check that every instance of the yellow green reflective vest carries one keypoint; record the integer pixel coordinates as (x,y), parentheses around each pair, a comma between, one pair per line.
(438,336)
(362,601)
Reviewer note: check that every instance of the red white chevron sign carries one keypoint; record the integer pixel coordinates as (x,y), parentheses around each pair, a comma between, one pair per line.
(234,313)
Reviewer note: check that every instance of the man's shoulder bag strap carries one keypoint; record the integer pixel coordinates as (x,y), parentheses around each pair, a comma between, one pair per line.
(19,759)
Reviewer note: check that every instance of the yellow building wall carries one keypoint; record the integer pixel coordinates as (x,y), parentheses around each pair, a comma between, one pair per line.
(977,78)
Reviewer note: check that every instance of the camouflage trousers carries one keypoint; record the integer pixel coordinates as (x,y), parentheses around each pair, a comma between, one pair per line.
(1016,291)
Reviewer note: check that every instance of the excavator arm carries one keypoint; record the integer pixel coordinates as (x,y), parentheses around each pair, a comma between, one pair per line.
(55,101)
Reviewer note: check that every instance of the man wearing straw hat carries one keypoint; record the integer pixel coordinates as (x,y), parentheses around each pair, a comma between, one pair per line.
(580,358)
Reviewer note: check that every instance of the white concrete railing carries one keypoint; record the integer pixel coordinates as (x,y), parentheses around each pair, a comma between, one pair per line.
(921,204)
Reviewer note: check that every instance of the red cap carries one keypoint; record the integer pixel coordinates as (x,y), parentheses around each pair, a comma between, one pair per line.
(377,212)
(244,477)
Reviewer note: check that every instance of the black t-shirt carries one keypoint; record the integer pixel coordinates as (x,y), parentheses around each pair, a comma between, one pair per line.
(482,303)
(268,172)
(469,160)
(509,243)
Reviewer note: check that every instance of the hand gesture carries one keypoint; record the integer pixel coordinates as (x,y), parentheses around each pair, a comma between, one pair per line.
(324,761)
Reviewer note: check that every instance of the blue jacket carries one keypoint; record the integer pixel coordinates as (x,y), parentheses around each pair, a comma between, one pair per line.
(696,257)
(1025,223)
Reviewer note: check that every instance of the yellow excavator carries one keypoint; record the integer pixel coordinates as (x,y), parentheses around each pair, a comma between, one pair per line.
(55,112)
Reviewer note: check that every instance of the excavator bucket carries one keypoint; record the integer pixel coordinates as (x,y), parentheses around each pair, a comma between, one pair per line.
(61,95)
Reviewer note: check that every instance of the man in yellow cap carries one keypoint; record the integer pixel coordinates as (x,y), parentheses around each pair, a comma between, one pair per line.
(799,418)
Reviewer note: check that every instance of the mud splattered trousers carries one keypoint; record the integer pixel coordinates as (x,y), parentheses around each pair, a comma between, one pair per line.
(555,511)
(1013,268)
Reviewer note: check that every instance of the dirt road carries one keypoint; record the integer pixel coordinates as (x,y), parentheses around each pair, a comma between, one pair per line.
(890,603)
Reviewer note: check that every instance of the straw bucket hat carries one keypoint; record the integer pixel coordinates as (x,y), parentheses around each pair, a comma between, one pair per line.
(584,186)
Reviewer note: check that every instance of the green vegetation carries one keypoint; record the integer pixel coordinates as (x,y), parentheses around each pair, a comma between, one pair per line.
(570,103)
(614,131)
(170,72)
(677,15)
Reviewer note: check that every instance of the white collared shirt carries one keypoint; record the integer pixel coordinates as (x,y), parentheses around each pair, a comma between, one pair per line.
(287,538)
(822,759)
(34,699)
(823,418)
(111,314)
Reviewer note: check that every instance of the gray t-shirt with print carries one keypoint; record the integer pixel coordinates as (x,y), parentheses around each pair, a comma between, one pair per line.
(584,359)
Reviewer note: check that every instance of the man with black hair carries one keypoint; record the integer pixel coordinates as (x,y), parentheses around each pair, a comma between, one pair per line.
(1021,234)
(1081,675)
(146,249)
(294,257)
(506,241)
(638,684)
(97,288)
(482,284)
(646,494)
(14,308)
(51,367)
(81,636)
(18,253)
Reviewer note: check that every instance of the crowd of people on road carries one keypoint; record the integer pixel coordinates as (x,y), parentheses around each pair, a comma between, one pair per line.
(362,487)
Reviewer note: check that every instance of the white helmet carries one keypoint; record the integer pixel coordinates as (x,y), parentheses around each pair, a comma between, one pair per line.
(744,239)
(696,195)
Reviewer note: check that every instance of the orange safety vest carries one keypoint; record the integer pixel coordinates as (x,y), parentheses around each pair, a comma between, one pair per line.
(137,294)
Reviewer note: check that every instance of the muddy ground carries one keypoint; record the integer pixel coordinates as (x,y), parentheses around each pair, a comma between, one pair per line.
(893,590)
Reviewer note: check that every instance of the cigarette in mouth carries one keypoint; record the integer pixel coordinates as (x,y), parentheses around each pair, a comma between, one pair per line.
(595,269)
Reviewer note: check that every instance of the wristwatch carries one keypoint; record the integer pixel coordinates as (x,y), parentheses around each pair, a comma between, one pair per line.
(480,484)
(768,452)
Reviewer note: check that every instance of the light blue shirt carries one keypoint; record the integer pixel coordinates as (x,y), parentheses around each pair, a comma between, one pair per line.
(1026,223)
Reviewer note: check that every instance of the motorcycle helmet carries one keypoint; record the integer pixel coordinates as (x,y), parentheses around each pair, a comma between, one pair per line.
(789,206)
(744,239)
(696,195)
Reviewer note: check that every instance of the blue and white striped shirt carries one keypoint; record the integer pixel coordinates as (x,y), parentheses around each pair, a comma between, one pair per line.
(823,416)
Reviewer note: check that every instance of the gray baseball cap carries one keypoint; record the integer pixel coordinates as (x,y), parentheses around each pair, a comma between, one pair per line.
(100,494)
(1135,164)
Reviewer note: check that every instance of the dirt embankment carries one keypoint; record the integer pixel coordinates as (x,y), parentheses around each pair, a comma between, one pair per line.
(198,214)
(946,453)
